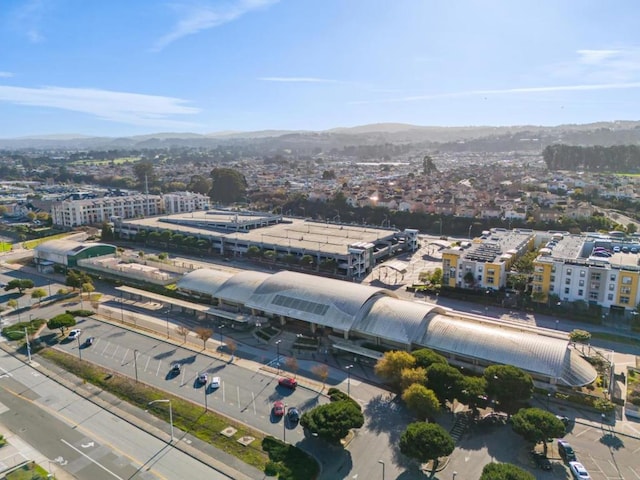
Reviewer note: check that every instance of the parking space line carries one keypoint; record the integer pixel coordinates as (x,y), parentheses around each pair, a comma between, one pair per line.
(146,365)
(116,351)
(184,372)
(634,472)
(238,393)
(223,397)
(581,432)
(158,370)
(105,348)
(253,401)
(124,357)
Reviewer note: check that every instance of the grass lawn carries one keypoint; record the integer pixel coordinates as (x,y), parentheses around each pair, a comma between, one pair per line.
(192,418)
(5,247)
(30,471)
(30,244)
(614,338)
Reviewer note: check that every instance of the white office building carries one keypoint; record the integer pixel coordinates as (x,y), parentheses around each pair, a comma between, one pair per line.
(73,213)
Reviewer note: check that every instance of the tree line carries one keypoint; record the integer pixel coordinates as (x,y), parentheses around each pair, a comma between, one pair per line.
(616,158)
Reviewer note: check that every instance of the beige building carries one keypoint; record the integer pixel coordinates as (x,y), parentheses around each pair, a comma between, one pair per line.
(72,213)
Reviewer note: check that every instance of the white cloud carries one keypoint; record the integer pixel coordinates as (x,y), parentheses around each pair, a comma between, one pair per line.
(297,80)
(595,57)
(6,74)
(509,91)
(28,18)
(202,16)
(123,107)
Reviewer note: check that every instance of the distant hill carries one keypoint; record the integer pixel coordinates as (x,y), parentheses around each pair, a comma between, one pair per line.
(470,138)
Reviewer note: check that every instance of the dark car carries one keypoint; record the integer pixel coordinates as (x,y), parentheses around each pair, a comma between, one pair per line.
(293,415)
(541,461)
(89,341)
(565,420)
(176,368)
(566,451)
(287,382)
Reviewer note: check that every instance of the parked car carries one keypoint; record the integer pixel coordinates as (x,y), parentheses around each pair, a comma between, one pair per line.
(565,420)
(288,382)
(89,341)
(215,383)
(202,378)
(293,415)
(176,368)
(578,471)
(278,408)
(75,333)
(541,461)
(566,451)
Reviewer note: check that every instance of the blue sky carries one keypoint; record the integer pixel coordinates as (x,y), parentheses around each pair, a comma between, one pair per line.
(128,67)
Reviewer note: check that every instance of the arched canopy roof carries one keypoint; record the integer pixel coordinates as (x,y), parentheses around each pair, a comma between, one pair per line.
(64,247)
(325,301)
(241,286)
(542,355)
(204,280)
(394,320)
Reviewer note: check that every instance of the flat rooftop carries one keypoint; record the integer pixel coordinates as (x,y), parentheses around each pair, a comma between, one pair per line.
(297,233)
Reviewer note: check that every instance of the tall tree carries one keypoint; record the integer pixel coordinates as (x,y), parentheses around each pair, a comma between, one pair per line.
(200,184)
(390,366)
(426,442)
(537,425)
(144,173)
(332,421)
(509,386)
(425,357)
(203,334)
(445,381)
(421,401)
(504,471)
(227,185)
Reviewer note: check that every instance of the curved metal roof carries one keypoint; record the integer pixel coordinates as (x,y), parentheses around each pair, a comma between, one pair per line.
(394,320)
(548,356)
(240,287)
(58,247)
(325,301)
(204,280)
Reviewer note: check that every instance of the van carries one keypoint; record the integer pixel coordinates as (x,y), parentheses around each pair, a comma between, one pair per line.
(566,451)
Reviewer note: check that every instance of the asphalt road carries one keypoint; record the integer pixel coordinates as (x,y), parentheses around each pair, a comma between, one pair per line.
(82,438)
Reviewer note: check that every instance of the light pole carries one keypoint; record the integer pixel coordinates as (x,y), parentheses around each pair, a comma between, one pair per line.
(548,399)
(284,425)
(168,310)
(221,339)
(26,336)
(79,349)
(135,363)
(454,475)
(348,369)
(382,463)
(170,412)
(278,355)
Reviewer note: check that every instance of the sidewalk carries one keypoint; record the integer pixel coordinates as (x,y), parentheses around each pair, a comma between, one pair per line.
(18,452)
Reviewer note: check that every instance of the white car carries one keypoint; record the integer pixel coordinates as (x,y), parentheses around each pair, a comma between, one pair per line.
(578,471)
(75,333)
(215,383)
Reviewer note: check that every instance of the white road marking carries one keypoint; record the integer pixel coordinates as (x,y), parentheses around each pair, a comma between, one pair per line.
(223,393)
(238,393)
(60,461)
(634,472)
(124,357)
(116,351)
(253,401)
(105,348)
(91,459)
(88,445)
(5,374)
(158,370)
(146,365)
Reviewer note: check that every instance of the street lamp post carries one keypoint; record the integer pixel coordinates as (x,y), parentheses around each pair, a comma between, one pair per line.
(348,369)
(170,412)
(26,336)
(454,475)
(221,339)
(278,355)
(382,463)
(548,399)
(284,425)
(135,363)
(168,310)
(79,347)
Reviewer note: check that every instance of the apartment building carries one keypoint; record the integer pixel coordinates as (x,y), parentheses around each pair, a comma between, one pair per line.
(183,202)
(72,213)
(485,261)
(597,269)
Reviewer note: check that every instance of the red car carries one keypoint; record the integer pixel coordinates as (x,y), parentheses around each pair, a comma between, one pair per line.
(278,408)
(288,382)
